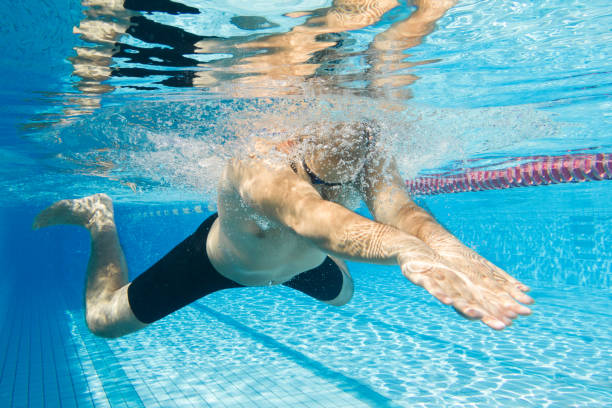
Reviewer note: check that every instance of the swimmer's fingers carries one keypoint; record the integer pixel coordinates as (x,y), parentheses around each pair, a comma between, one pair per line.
(488,311)
(477,303)
(498,306)
(519,295)
(516,288)
(447,289)
(466,316)
(499,299)
(495,308)
(485,271)
(502,280)
(511,307)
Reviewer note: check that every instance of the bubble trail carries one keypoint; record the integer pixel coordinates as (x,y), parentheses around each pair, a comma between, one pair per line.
(540,170)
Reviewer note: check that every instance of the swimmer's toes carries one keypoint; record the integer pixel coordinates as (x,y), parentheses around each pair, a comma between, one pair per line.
(72,212)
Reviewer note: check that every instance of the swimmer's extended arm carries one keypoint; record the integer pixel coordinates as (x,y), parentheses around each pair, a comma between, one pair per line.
(384,192)
(386,197)
(280,194)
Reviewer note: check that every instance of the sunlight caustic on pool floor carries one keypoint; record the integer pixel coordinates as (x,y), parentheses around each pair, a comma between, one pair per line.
(392,346)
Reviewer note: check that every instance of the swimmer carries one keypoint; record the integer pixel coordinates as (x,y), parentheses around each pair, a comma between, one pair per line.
(283,219)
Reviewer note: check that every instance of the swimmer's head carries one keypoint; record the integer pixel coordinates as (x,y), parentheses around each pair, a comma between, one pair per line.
(337,153)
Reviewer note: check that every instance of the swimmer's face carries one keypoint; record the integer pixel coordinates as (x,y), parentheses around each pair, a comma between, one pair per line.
(340,153)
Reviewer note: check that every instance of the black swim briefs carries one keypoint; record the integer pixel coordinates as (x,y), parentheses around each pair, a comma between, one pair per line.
(185,274)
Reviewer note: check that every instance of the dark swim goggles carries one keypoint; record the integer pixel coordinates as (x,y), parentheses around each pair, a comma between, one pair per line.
(314,179)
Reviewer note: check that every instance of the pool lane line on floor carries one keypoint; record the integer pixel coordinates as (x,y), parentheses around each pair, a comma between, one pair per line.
(61,359)
(116,384)
(507,364)
(113,381)
(10,335)
(104,381)
(65,337)
(347,314)
(384,325)
(347,384)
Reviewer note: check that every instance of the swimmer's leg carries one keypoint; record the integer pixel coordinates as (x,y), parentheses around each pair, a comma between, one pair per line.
(107,309)
(115,307)
(182,276)
(329,282)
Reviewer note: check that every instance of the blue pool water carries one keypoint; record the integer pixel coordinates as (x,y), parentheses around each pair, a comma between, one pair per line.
(150,120)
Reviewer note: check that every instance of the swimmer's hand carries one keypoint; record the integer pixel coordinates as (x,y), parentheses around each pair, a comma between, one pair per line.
(459,277)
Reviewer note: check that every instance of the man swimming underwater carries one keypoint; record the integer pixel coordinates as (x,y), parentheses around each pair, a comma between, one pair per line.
(282,220)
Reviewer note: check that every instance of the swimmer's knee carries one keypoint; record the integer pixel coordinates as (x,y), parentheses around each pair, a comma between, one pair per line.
(108,321)
(98,325)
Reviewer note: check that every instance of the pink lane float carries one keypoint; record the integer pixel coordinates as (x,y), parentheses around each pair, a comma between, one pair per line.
(541,170)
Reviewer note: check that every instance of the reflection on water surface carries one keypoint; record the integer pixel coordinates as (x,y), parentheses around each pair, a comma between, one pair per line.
(355,45)
(155,94)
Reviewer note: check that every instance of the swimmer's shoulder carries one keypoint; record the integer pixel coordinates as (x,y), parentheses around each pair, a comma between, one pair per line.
(271,153)
(264,156)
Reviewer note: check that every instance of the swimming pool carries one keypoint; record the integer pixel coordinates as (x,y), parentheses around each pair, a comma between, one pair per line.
(494,82)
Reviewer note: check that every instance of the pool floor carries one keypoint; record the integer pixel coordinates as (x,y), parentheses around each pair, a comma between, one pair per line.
(272,347)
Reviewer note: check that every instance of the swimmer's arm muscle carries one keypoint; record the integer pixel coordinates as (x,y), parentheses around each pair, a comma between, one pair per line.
(281,195)
(383,190)
(385,195)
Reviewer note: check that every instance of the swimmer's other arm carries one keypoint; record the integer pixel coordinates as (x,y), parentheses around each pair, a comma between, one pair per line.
(388,201)
(281,195)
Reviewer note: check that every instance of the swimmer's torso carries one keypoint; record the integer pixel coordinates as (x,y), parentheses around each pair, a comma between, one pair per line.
(252,250)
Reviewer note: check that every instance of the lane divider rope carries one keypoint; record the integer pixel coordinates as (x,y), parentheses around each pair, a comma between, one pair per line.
(536,171)
(174,211)
(539,170)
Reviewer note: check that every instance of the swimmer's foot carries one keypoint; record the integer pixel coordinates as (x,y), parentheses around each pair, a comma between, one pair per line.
(92,212)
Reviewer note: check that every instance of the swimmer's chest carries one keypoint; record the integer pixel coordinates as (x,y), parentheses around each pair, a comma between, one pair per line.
(253,232)
(275,249)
